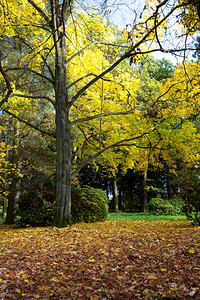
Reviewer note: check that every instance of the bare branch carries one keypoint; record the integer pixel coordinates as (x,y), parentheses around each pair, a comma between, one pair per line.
(32,71)
(7,81)
(121,113)
(36,127)
(80,51)
(156,32)
(81,78)
(35,97)
(118,144)
(48,67)
(41,12)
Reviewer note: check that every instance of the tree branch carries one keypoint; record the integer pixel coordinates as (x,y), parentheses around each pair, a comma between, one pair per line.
(35,97)
(122,113)
(118,144)
(41,12)
(32,71)
(79,52)
(7,81)
(81,78)
(36,127)
(129,53)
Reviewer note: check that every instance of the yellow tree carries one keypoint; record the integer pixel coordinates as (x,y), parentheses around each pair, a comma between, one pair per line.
(49,42)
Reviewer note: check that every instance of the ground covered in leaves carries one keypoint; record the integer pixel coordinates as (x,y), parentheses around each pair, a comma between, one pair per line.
(110,260)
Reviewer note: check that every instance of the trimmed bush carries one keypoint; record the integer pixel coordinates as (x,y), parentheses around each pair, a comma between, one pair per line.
(178,204)
(88,205)
(158,206)
(33,210)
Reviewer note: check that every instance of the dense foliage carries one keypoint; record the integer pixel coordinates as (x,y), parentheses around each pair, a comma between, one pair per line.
(34,210)
(37,209)
(190,191)
(159,206)
(89,205)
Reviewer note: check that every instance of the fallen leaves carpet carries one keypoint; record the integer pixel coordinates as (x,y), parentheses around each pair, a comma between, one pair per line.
(106,260)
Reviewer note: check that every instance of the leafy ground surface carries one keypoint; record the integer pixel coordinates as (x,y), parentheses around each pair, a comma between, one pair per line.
(110,260)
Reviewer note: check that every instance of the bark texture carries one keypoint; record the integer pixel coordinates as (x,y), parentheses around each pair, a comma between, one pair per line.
(115,196)
(145,192)
(15,185)
(60,16)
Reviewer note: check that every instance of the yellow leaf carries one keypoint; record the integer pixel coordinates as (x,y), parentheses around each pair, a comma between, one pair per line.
(21,272)
(152,277)
(41,287)
(191,251)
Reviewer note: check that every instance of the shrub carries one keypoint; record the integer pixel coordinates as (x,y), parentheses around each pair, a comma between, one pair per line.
(88,205)
(190,191)
(33,210)
(158,206)
(178,204)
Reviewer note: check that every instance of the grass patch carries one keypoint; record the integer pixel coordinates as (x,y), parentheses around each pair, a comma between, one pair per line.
(143,216)
(136,216)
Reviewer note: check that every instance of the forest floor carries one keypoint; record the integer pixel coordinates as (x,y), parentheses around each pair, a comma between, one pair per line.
(116,259)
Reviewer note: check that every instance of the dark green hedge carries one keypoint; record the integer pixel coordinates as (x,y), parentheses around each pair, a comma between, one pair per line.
(33,210)
(159,206)
(88,205)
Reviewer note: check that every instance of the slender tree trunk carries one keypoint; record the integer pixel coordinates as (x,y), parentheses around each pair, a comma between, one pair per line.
(4,208)
(168,186)
(115,196)
(145,192)
(14,186)
(121,202)
(12,201)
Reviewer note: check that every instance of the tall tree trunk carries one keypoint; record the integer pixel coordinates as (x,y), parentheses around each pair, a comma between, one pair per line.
(168,185)
(12,200)
(63,135)
(63,170)
(121,202)
(115,196)
(14,186)
(4,208)
(145,192)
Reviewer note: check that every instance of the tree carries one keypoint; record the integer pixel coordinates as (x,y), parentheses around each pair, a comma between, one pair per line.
(189,190)
(51,40)
(29,153)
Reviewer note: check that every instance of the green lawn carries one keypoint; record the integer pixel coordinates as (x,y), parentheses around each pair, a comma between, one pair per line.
(137,216)
(143,216)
